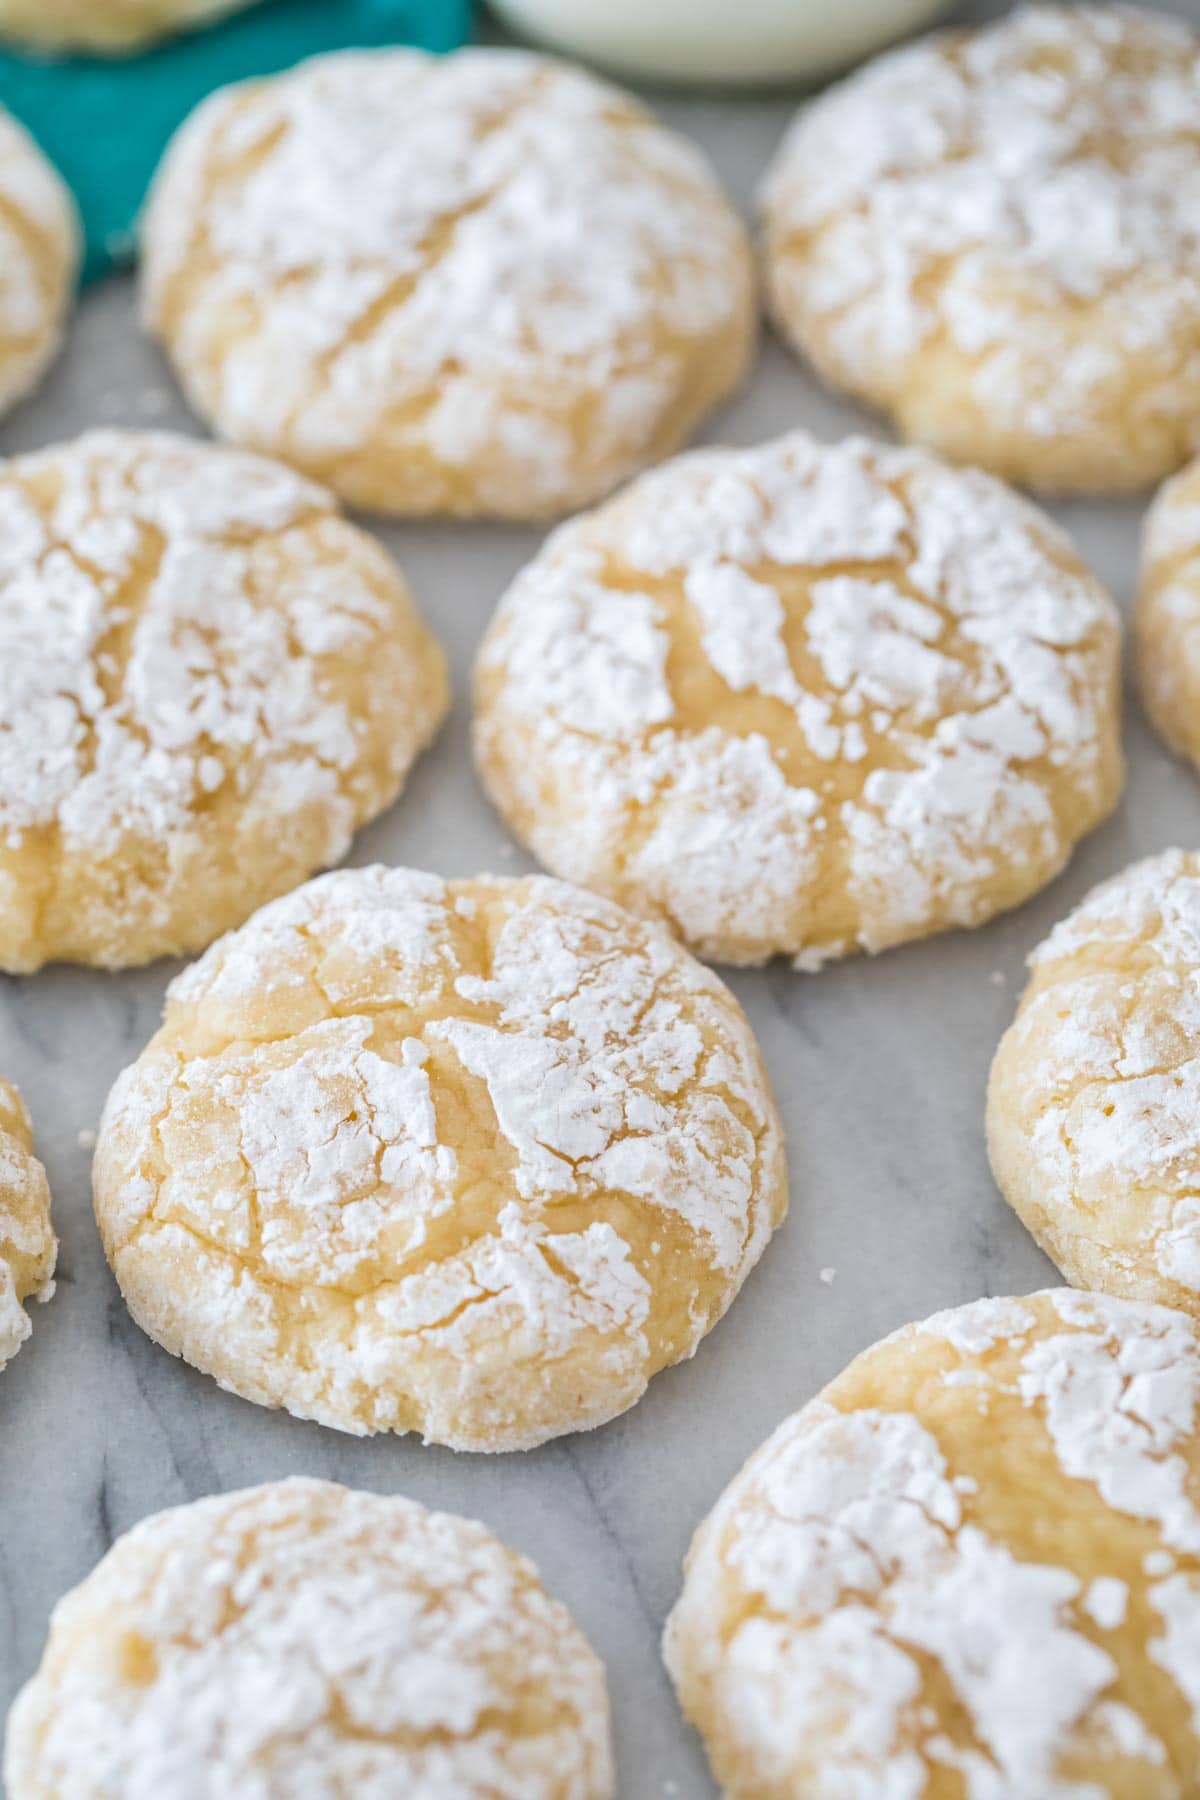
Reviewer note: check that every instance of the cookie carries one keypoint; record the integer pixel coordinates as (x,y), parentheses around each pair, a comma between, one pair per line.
(302,1638)
(28,1247)
(804,699)
(40,249)
(483,283)
(109,27)
(470,1158)
(1167,618)
(208,681)
(970,1568)
(993,237)
(1093,1114)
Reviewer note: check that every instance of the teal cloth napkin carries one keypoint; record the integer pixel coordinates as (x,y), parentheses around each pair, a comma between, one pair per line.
(105,123)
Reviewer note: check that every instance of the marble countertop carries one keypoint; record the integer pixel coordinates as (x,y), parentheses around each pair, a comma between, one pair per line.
(880,1069)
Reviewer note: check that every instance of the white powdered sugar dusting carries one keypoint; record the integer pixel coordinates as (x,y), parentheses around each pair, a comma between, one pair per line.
(857,1542)
(742,624)
(1107,1600)
(860,1549)
(979,190)
(979,1326)
(27,1244)
(303,1638)
(14,1320)
(1177,1650)
(466,1115)
(141,670)
(803,698)
(1096,1093)
(1155,903)
(451,254)
(1120,1393)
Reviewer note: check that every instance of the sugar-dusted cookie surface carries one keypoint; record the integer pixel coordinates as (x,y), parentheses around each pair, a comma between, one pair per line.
(804,699)
(305,1639)
(472,1158)
(484,283)
(1167,619)
(108,26)
(39,260)
(1094,1102)
(969,1570)
(28,1248)
(994,237)
(208,680)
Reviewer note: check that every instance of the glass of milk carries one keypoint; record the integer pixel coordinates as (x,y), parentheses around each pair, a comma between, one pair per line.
(731,42)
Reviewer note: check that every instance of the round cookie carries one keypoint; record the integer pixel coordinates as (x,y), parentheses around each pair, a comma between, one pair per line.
(477,284)
(1167,619)
(28,1247)
(470,1158)
(969,1570)
(993,237)
(208,681)
(1093,1113)
(804,699)
(302,1638)
(110,27)
(39,261)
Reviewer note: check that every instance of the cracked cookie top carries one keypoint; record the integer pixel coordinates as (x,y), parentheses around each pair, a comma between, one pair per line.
(1094,1100)
(994,236)
(28,1247)
(483,283)
(804,699)
(208,680)
(969,1570)
(471,1158)
(304,1639)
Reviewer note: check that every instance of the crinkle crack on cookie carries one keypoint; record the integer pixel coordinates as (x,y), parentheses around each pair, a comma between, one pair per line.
(39,260)
(994,237)
(1167,621)
(477,284)
(301,1639)
(28,1247)
(110,27)
(969,1570)
(1094,1103)
(804,699)
(470,1158)
(208,681)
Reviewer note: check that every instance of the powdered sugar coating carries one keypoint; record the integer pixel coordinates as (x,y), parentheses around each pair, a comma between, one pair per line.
(1167,620)
(930,1582)
(104,25)
(39,260)
(304,1639)
(804,699)
(28,1248)
(482,283)
(993,236)
(208,681)
(472,1158)
(1094,1101)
